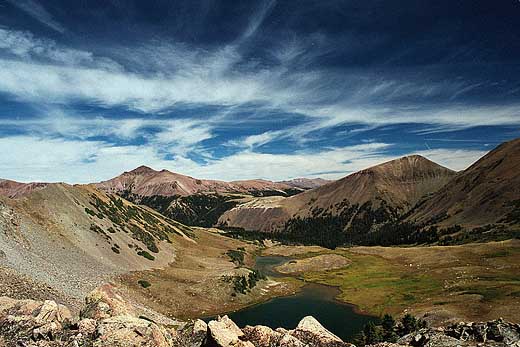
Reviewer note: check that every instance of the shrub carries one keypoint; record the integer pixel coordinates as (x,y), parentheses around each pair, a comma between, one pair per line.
(236,256)
(146,255)
(144,283)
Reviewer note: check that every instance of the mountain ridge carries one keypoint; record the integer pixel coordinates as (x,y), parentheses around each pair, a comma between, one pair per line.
(61,229)
(145,181)
(485,193)
(399,183)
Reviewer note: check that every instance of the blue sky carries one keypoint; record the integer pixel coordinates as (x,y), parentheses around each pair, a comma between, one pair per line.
(252,89)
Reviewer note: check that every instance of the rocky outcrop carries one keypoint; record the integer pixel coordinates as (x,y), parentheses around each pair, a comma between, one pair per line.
(108,320)
(309,332)
(497,333)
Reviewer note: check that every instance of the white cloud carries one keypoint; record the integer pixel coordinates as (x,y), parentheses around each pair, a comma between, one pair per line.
(257,140)
(181,136)
(38,12)
(30,158)
(258,18)
(455,159)
(25,45)
(178,74)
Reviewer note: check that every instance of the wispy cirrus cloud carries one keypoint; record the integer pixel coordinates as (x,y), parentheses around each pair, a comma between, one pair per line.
(179,74)
(38,12)
(30,158)
(274,90)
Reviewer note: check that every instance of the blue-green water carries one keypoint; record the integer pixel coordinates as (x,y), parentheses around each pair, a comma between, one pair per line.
(314,300)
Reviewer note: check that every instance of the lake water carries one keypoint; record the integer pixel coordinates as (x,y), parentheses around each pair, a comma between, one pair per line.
(314,300)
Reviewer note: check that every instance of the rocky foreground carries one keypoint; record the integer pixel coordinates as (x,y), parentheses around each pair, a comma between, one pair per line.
(108,320)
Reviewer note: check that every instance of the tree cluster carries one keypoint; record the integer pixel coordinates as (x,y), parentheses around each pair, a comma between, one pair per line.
(388,330)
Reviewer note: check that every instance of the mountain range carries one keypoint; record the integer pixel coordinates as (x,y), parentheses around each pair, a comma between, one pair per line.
(407,200)
(145,182)
(388,189)
(68,239)
(486,193)
(195,201)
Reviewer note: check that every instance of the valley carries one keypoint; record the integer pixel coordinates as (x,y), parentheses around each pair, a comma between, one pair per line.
(373,243)
(440,283)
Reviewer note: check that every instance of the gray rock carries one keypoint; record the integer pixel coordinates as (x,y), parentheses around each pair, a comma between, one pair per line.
(193,334)
(225,333)
(311,332)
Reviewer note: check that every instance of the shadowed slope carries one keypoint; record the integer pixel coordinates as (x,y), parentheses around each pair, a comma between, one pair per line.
(397,185)
(486,192)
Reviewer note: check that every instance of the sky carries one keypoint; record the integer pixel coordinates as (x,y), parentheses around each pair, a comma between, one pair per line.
(244,89)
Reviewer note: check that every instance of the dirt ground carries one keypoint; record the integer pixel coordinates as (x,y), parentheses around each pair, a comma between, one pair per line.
(195,286)
(291,251)
(319,263)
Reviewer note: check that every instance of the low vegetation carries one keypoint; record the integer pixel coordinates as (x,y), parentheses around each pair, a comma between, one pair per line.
(146,255)
(243,284)
(201,210)
(376,285)
(144,283)
(143,225)
(388,330)
(237,256)
(477,281)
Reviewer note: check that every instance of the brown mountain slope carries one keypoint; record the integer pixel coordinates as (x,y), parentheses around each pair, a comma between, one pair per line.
(13,189)
(71,238)
(145,181)
(485,193)
(62,241)
(186,199)
(394,186)
(306,183)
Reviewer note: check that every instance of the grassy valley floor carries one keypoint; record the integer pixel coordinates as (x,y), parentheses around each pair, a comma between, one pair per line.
(473,282)
(469,282)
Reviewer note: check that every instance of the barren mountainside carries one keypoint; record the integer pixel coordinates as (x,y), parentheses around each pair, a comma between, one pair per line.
(397,185)
(145,181)
(71,238)
(13,189)
(487,192)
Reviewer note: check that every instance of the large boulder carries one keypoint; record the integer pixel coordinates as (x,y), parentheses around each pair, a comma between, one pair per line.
(105,302)
(127,331)
(26,320)
(50,311)
(311,332)
(223,332)
(497,333)
(493,331)
(262,336)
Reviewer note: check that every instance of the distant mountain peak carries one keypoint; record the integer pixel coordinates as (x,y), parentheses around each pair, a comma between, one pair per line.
(143,169)
(409,166)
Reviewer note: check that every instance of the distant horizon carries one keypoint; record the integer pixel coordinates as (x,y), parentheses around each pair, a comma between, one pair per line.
(257,89)
(340,176)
